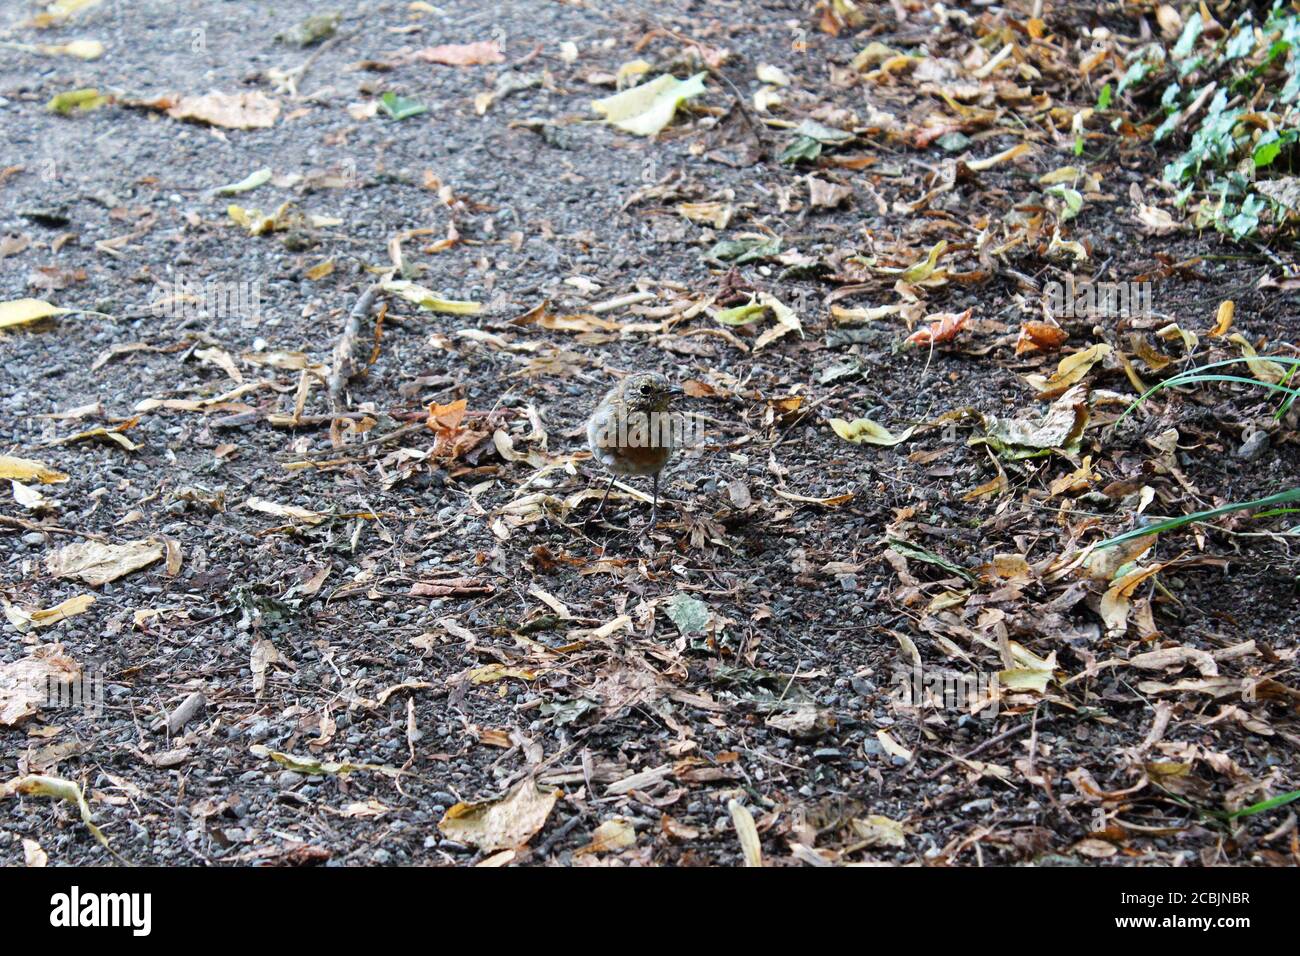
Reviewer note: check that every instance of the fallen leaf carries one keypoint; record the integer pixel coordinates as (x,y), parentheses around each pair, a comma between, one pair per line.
(25,684)
(292,512)
(428,300)
(646,109)
(612,835)
(76,101)
(1070,370)
(691,615)
(879,831)
(943,327)
(253,110)
(500,824)
(863,431)
(462,54)
(40,786)
(97,564)
(750,845)
(26,469)
(24,619)
(23,311)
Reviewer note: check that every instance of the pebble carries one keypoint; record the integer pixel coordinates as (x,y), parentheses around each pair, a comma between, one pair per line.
(1254,446)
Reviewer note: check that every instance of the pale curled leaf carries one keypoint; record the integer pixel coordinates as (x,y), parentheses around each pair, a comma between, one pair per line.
(500,824)
(97,564)
(23,311)
(863,431)
(746,832)
(37,785)
(647,109)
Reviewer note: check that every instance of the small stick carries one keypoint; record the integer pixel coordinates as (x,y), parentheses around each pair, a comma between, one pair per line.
(25,525)
(744,110)
(344,362)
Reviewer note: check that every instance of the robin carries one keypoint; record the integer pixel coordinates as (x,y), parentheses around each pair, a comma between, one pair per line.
(631,430)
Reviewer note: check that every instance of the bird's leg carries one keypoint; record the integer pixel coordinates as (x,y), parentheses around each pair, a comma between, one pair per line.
(654,501)
(601,507)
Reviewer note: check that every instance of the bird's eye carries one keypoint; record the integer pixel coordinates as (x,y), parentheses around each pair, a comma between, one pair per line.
(646,388)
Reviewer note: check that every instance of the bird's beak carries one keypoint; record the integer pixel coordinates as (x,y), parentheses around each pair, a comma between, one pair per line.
(674,390)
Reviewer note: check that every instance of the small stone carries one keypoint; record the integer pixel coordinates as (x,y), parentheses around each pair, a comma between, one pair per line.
(1253,446)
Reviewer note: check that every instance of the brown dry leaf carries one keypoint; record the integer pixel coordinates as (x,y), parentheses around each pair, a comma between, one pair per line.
(827,195)
(500,824)
(253,110)
(97,564)
(462,54)
(1015,152)
(114,434)
(1156,221)
(879,831)
(715,214)
(943,327)
(222,360)
(33,855)
(263,656)
(1175,658)
(27,469)
(24,683)
(1041,336)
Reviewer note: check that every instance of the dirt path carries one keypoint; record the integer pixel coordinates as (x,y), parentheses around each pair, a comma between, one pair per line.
(436,607)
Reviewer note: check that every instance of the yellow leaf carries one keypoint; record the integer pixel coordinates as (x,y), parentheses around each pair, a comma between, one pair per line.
(25,469)
(1262,369)
(427,300)
(1223,320)
(40,786)
(1070,370)
(646,109)
(863,431)
(922,270)
(321,270)
(22,311)
(490,673)
(79,101)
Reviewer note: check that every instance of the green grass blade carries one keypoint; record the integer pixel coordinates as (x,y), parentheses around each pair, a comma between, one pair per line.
(1280,800)
(1279,499)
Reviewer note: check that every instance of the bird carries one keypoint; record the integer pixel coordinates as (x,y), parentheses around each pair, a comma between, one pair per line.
(631,432)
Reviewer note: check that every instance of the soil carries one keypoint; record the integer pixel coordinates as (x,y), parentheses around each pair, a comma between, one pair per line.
(786,701)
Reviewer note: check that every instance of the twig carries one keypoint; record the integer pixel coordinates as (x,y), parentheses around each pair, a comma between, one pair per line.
(25,525)
(345,365)
(989,744)
(744,110)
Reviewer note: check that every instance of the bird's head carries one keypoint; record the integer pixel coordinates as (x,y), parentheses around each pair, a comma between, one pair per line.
(649,392)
